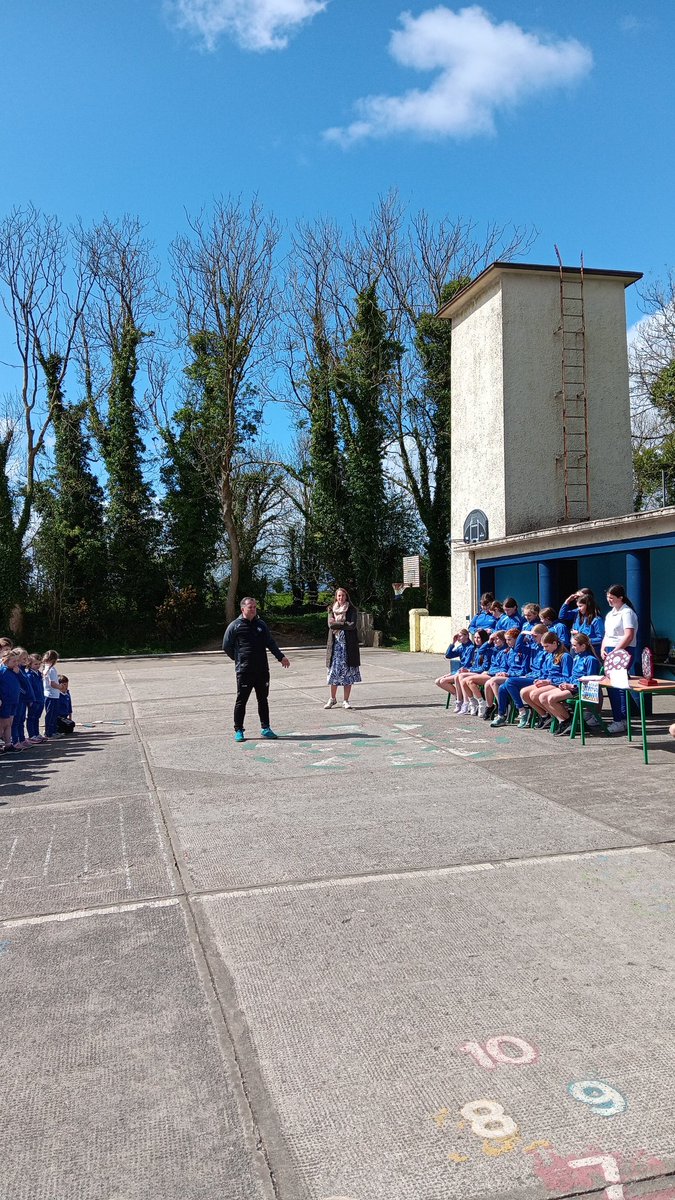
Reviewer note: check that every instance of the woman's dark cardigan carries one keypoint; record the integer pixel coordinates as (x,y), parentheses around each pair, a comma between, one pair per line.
(351,637)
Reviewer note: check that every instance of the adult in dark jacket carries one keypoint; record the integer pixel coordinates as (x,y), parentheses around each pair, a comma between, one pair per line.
(246,642)
(343,658)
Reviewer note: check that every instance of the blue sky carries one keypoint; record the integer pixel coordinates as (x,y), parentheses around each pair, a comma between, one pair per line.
(558,116)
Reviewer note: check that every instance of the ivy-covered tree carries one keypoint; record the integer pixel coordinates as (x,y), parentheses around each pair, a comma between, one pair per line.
(190,506)
(12,560)
(70,543)
(362,381)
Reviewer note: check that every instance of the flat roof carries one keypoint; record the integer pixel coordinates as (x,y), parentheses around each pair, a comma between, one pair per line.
(496,268)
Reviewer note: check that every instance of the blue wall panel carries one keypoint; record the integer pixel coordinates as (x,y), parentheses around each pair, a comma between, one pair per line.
(518,580)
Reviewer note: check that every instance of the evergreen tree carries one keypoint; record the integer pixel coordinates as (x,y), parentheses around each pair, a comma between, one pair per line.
(12,561)
(70,543)
(362,382)
(326,535)
(190,506)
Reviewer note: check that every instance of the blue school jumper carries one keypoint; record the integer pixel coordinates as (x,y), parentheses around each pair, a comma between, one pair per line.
(561,632)
(463,653)
(19,722)
(518,661)
(594,629)
(37,704)
(10,690)
(499,662)
(482,620)
(482,658)
(505,622)
(584,664)
(538,657)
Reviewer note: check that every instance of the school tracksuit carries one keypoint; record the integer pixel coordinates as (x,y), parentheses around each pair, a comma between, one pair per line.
(24,703)
(463,653)
(506,622)
(499,662)
(482,620)
(482,657)
(594,628)
(514,686)
(561,632)
(10,691)
(36,707)
(518,661)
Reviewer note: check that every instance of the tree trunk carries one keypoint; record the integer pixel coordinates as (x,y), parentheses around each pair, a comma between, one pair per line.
(227,509)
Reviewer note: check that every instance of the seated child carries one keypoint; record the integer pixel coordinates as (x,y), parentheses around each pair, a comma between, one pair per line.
(550,620)
(530,616)
(482,652)
(553,699)
(517,665)
(511,618)
(515,684)
(64,721)
(556,669)
(462,648)
(484,619)
(478,679)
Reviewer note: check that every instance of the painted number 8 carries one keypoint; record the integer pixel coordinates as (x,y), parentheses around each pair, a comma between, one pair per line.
(488,1119)
(603,1100)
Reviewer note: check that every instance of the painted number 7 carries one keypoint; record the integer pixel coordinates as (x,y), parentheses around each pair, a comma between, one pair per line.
(522,1053)
(610,1170)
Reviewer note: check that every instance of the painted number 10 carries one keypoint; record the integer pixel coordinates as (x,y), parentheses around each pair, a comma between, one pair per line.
(503,1051)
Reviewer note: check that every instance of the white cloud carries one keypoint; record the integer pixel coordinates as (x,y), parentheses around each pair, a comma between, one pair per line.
(481,66)
(253,24)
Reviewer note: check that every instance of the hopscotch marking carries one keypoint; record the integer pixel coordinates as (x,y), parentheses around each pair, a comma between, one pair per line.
(8,864)
(48,855)
(123,842)
(602,1099)
(487,1119)
(610,1169)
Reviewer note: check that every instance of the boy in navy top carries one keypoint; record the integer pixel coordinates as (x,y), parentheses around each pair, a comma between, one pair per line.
(64,708)
(462,648)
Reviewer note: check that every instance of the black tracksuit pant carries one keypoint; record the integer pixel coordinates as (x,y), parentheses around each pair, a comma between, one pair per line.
(245,685)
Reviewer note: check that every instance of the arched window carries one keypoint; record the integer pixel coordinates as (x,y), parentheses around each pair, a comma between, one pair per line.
(476,527)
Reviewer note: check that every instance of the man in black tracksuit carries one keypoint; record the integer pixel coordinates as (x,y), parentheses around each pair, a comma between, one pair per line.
(247,641)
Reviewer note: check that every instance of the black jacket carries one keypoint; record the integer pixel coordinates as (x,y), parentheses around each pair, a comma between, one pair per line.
(247,643)
(351,636)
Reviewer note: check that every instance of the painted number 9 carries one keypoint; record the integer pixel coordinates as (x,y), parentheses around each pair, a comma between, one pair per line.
(602,1099)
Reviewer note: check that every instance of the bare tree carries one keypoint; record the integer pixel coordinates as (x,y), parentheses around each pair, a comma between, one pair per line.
(43,294)
(652,364)
(227,308)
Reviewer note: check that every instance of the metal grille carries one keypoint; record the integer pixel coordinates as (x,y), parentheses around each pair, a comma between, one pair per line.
(574,393)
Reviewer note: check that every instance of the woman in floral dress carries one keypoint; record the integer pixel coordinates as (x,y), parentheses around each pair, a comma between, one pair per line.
(342,652)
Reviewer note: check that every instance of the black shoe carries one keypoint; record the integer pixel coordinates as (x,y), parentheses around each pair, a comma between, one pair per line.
(544,722)
(489,712)
(564,727)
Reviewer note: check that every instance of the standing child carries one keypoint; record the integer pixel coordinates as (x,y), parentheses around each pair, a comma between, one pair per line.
(65,723)
(621,626)
(10,691)
(582,611)
(549,618)
(52,691)
(36,707)
(19,740)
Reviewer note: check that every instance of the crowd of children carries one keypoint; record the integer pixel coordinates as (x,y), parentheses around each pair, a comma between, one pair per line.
(31,686)
(536,660)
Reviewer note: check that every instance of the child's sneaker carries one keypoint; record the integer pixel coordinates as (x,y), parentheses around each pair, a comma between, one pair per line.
(490,710)
(482,708)
(458,707)
(617,727)
(497,721)
(473,708)
(239,735)
(465,708)
(524,718)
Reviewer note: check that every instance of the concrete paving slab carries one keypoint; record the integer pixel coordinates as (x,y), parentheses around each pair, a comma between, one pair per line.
(357,827)
(468,1033)
(64,856)
(79,766)
(115,1083)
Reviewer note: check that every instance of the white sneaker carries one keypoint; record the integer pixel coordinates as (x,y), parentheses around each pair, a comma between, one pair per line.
(472,710)
(331,703)
(617,727)
(482,708)
(465,708)
(346,704)
(458,706)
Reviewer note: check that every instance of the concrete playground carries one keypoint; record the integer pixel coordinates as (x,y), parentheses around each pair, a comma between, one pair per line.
(395,955)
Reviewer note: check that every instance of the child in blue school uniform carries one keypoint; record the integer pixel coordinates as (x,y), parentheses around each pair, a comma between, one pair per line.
(19,740)
(36,707)
(480,660)
(10,691)
(549,618)
(461,648)
(510,618)
(530,614)
(517,665)
(64,721)
(478,679)
(581,611)
(514,685)
(553,699)
(555,670)
(483,619)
